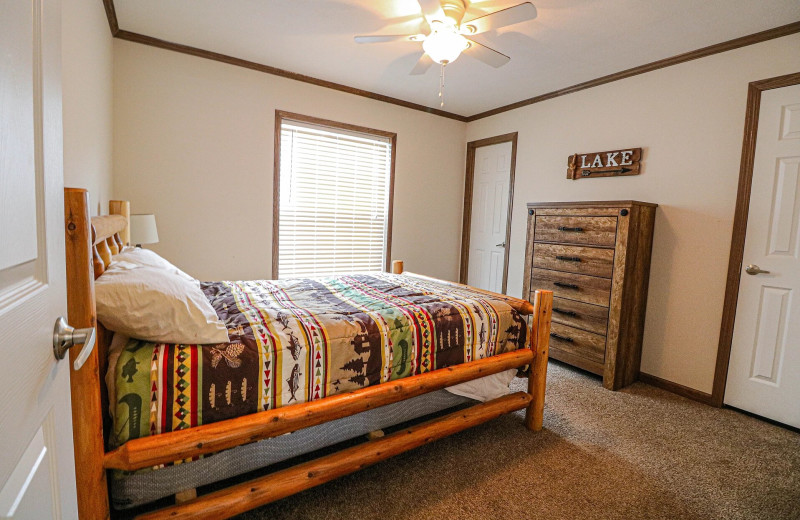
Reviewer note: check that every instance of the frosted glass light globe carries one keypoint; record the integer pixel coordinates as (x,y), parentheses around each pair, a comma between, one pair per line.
(444,44)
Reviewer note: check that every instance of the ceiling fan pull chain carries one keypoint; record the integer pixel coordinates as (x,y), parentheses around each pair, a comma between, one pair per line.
(441,84)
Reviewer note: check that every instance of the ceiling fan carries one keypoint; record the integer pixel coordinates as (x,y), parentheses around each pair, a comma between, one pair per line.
(449,36)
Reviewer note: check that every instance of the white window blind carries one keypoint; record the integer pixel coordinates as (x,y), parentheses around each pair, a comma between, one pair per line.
(334,201)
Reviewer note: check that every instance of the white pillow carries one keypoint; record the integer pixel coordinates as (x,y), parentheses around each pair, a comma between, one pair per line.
(148,258)
(156,305)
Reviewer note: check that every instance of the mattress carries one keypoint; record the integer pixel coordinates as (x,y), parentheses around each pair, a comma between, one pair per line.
(298,340)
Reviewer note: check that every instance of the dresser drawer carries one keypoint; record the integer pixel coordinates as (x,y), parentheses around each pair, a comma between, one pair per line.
(595,261)
(589,289)
(578,342)
(596,231)
(592,318)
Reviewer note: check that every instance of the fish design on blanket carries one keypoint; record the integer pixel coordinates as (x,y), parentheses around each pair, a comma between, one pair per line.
(403,364)
(294,346)
(228,352)
(135,345)
(294,382)
(129,369)
(283,319)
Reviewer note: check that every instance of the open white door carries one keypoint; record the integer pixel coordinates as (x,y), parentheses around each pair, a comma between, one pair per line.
(37,473)
(763,375)
(487,242)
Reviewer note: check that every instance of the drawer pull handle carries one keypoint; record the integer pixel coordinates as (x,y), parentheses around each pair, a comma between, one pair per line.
(571,229)
(566,285)
(564,312)
(562,338)
(569,258)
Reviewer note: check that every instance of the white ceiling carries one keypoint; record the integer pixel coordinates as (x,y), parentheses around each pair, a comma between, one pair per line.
(571,41)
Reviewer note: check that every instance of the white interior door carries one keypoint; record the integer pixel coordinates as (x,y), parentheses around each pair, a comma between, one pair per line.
(763,374)
(37,473)
(487,243)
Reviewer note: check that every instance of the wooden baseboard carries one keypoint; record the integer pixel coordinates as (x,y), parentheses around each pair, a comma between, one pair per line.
(675,388)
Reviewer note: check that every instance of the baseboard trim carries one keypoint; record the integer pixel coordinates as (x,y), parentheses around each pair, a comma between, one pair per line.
(675,388)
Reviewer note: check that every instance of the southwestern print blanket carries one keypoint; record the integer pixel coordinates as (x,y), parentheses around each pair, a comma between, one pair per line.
(298,340)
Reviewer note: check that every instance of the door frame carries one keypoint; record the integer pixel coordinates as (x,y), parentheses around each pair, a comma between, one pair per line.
(740,227)
(467,214)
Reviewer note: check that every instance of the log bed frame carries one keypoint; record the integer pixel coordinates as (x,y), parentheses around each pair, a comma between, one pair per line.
(90,243)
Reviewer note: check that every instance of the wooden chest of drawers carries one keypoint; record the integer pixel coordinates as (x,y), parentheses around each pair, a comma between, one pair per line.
(595,257)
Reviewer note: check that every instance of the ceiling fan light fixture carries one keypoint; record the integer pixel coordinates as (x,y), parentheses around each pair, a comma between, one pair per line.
(444,44)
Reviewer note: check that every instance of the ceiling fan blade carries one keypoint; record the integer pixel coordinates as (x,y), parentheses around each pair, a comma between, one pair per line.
(422,65)
(518,13)
(486,55)
(381,38)
(432,10)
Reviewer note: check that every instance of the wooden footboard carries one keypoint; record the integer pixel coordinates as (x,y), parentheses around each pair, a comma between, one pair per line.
(85,249)
(257,492)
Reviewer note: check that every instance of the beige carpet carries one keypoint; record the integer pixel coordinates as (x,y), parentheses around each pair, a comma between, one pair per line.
(635,454)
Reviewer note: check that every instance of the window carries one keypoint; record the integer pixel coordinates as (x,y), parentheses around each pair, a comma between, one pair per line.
(335,198)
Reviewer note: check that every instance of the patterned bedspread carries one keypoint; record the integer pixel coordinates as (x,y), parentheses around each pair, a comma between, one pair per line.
(299,340)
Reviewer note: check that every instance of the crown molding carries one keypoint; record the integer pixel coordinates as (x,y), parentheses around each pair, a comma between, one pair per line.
(770,34)
(230,60)
(111,14)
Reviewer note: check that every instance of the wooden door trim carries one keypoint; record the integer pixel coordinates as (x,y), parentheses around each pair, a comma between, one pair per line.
(467,214)
(740,227)
(280,116)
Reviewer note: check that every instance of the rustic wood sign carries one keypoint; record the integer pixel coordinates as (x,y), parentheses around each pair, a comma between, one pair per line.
(604,164)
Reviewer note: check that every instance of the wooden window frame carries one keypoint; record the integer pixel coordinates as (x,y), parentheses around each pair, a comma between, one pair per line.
(467,213)
(280,116)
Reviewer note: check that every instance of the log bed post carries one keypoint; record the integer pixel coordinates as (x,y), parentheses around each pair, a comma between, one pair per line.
(540,344)
(397,266)
(85,384)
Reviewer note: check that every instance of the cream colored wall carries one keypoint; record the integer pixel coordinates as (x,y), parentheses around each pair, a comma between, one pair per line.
(193,143)
(689,119)
(87,54)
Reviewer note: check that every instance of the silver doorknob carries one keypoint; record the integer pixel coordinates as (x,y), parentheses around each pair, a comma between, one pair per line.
(66,337)
(754,269)
(503,244)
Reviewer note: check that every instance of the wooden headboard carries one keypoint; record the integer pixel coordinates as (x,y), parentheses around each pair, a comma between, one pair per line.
(90,243)
(107,232)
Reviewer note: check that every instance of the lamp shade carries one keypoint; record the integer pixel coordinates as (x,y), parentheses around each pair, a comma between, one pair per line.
(143,229)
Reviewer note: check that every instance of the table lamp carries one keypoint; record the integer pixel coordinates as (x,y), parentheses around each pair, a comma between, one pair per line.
(143,229)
